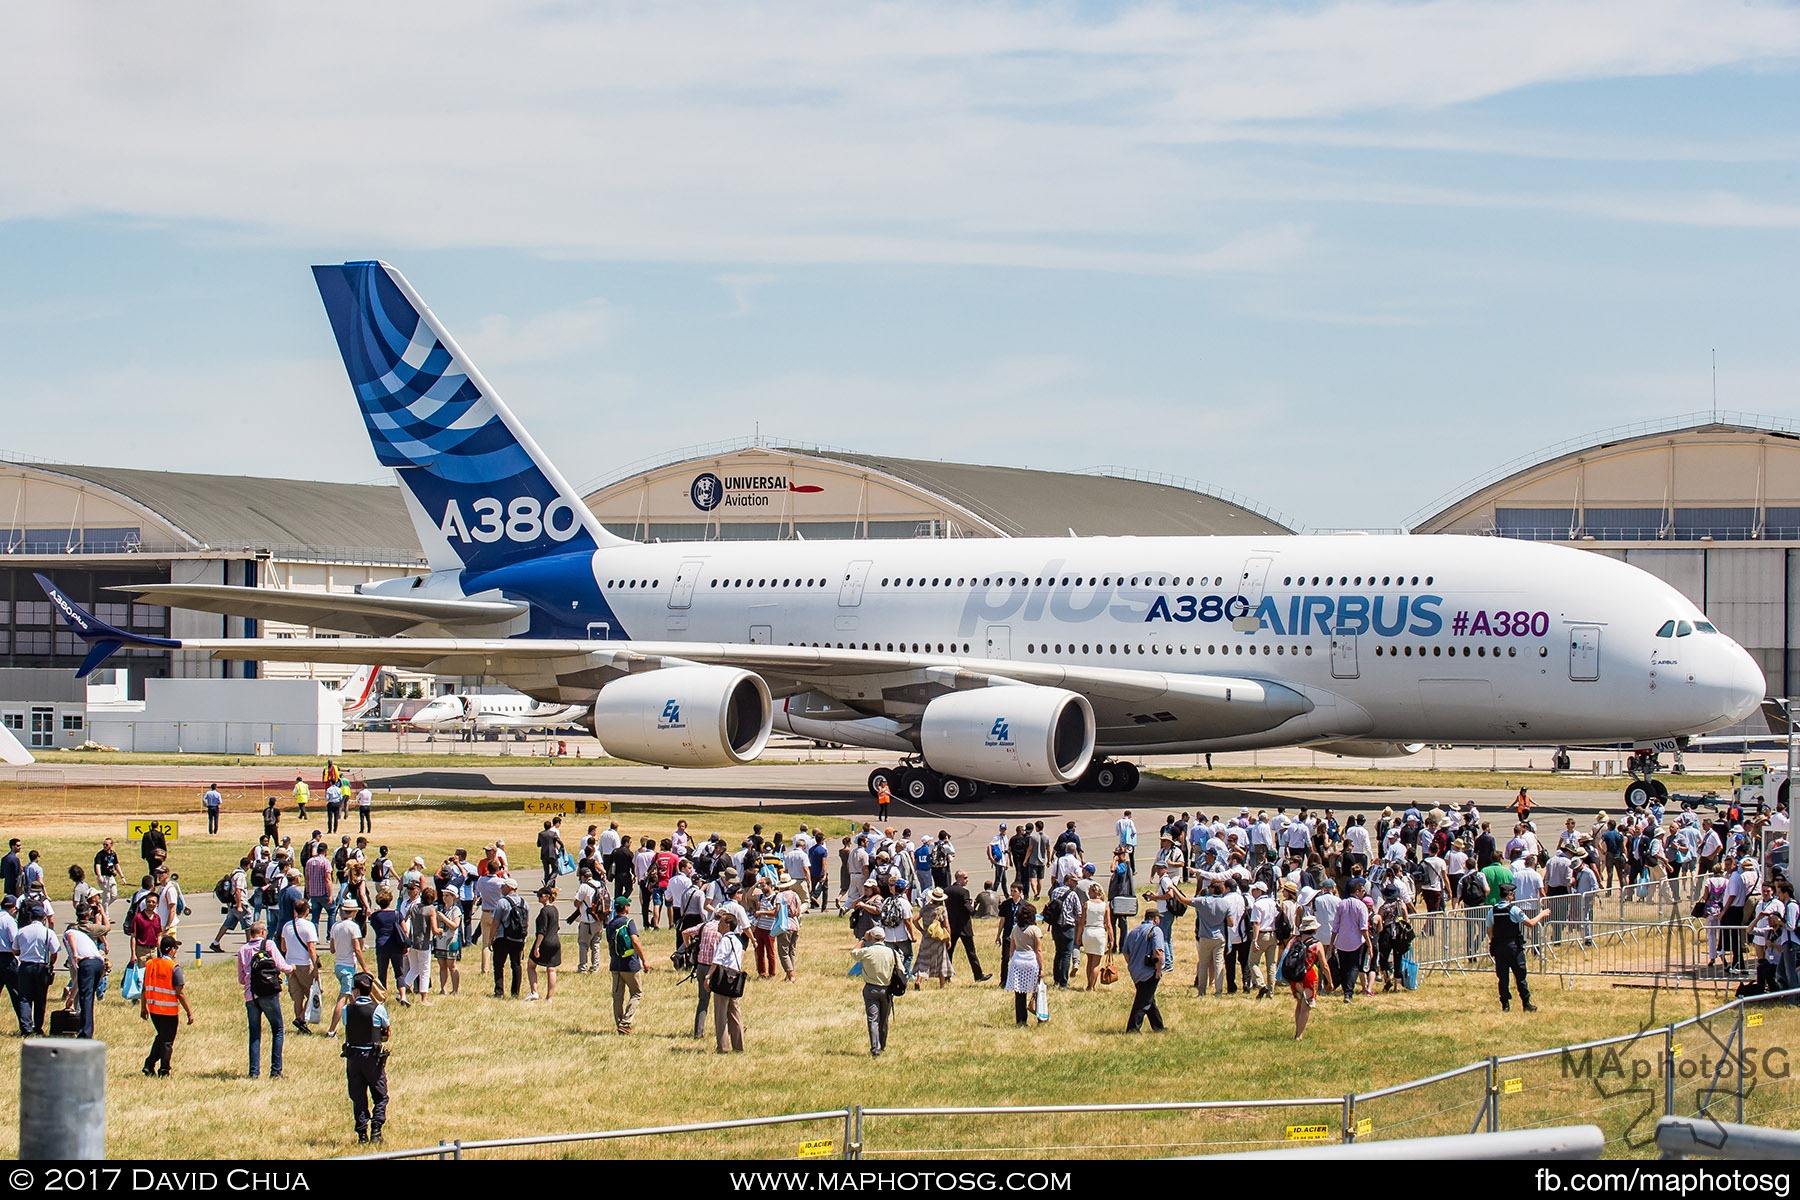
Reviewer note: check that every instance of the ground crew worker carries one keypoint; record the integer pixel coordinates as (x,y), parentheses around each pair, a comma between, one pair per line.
(1506,942)
(1522,805)
(367,1038)
(164,996)
(882,796)
(302,794)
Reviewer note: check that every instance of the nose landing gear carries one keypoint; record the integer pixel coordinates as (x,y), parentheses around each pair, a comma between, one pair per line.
(1644,786)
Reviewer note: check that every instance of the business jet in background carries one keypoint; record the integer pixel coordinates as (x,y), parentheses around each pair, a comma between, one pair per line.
(360,693)
(1020,662)
(490,714)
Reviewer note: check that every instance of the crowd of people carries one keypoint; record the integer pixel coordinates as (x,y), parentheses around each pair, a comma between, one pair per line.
(1304,903)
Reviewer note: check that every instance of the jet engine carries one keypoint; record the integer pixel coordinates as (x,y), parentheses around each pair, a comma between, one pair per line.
(1024,736)
(684,717)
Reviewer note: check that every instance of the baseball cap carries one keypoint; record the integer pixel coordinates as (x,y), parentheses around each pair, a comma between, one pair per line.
(621,903)
(168,943)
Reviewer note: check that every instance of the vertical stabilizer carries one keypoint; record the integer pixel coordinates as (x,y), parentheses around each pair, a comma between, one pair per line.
(481,493)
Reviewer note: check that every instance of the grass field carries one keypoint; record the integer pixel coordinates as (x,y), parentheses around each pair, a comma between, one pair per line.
(471,1067)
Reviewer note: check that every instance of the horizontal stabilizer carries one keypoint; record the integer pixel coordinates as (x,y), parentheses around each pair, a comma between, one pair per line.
(374,616)
(103,640)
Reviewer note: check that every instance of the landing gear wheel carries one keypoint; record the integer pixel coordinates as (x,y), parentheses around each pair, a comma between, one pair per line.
(891,774)
(1105,777)
(1637,795)
(952,790)
(915,785)
(1659,790)
(1128,777)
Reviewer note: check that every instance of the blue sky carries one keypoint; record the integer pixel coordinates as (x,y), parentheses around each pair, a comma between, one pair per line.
(1339,258)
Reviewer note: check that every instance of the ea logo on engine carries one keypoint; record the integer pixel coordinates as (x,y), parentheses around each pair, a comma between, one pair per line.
(671,716)
(1000,734)
(706,491)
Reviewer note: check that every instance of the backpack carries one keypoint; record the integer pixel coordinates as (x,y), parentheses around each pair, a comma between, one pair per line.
(516,924)
(265,976)
(1061,917)
(1400,930)
(1019,846)
(1284,924)
(381,871)
(940,856)
(996,855)
(892,917)
(620,935)
(1296,960)
(897,980)
(225,891)
(1473,889)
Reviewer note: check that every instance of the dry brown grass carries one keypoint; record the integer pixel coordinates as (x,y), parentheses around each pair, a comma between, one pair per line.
(472,1067)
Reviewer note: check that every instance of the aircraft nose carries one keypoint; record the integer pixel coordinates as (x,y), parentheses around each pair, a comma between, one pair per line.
(1745,695)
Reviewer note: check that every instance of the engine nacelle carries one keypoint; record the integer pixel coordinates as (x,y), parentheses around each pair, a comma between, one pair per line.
(1026,736)
(1355,748)
(684,717)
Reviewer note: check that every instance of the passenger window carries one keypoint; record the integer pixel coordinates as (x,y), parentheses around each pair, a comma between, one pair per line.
(1667,630)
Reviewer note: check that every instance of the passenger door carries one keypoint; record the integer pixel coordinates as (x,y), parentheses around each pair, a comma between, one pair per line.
(682,594)
(855,575)
(1343,655)
(1584,653)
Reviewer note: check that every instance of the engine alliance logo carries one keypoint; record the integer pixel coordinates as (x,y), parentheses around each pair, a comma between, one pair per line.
(708,491)
(671,716)
(1001,734)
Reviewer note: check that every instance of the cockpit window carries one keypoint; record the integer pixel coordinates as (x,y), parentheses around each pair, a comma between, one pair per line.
(1667,630)
(1704,627)
(1684,629)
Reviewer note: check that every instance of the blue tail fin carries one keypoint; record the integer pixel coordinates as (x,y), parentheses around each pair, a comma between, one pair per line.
(481,493)
(103,640)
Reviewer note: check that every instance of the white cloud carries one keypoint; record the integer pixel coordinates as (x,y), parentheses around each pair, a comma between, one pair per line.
(498,338)
(810,132)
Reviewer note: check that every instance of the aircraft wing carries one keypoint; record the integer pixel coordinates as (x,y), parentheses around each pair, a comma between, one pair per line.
(1129,705)
(374,616)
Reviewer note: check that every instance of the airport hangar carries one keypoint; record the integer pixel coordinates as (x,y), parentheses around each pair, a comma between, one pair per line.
(1709,503)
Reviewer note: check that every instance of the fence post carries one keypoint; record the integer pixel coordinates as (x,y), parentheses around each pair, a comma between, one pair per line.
(456,1148)
(1739,1081)
(62,1099)
(1493,1089)
(1350,1118)
(853,1144)
(1669,1071)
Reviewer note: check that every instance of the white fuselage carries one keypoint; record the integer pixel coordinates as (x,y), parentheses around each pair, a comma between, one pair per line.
(494,712)
(1406,639)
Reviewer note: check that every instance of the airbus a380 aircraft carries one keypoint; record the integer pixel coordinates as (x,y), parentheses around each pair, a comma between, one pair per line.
(1026,662)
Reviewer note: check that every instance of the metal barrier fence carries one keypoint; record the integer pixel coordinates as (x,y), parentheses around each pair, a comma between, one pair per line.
(1733,1063)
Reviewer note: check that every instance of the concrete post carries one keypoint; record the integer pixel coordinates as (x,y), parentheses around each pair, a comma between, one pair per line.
(62,1099)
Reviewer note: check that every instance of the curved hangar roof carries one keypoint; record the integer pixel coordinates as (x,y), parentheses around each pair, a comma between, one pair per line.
(101,510)
(767,491)
(1725,477)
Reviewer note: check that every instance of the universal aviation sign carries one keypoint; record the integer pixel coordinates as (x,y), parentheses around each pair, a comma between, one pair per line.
(710,491)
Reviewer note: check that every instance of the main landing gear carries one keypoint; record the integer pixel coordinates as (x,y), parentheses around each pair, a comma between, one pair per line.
(1104,775)
(1644,786)
(917,783)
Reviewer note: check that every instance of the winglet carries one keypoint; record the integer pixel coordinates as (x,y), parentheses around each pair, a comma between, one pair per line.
(103,640)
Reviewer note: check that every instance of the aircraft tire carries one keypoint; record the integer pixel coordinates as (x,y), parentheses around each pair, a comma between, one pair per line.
(1637,795)
(887,773)
(1128,777)
(1659,789)
(915,785)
